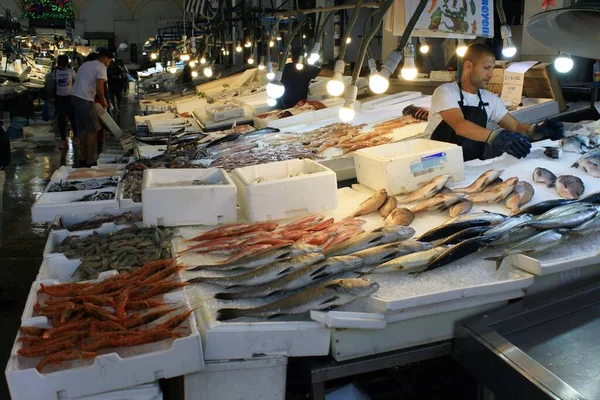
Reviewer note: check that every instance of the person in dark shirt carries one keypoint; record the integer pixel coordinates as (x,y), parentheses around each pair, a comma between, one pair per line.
(116,83)
(296,81)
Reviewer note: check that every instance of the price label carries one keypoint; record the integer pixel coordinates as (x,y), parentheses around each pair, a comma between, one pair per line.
(514,78)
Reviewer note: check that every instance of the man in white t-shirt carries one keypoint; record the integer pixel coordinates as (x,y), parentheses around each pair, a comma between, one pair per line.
(90,81)
(461,111)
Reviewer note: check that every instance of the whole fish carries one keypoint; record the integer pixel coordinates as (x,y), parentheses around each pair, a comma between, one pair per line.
(493,218)
(379,236)
(569,187)
(265,274)
(390,205)
(480,183)
(298,279)
(440,201)
(566,220)
(380,254)
(324,296)
(494,184)
(553,152)
(464,235)
(515,235)
(460,209)
(521,195)
(302,223)
(262,259)
(574,144)
(410,262)
(400,217)
(590,154)
(429,189)
(566,209)
(510,182)
(590,166)
(495,196)
(234,230)
(508,225)
(591,226)
(458,251)
(544,206)
(592,198)
(372,204)
(443,231)
(542,241)
(542,175)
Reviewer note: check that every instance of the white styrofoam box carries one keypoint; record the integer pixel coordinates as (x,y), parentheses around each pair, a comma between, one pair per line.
(337,319)
(63,173)
(129,366)
(128,204)
(49,205)
(53,181)
(190,105)
(285,189)
(148,391)
(261,378)
(67,220)
(210,204)
(108,121)
(390,99)
(401,167)
(148,151)
(354,343)
(142,119)
(58,236)
(343,166)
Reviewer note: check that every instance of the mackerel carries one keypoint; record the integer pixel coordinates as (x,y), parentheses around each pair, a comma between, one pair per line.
(443,231)
(463,235)
(544,206)
(410,262)
(508,225)
(565,220)
(459,251)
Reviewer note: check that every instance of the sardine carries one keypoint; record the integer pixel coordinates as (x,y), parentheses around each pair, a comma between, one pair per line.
(440,201)
(574,144)
(400,217)
(383,235)
(410,262)
(298,279)
(464,235)
(265,274)
(324,296)
(458,251)
(429,189)
(390,205)
(521,195)
(508,225)
(544,206)
(542,175)
(495,196)
(262,259)
(590,166)
(443,231)
(553,152)
(380,254)
(565,220)
(541,241)
(480,183)
(569,187)
(460,209)
(372,204)
(494,218)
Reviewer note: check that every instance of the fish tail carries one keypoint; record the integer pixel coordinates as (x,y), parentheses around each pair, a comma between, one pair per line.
(226,296)
(498,260)
(226,314)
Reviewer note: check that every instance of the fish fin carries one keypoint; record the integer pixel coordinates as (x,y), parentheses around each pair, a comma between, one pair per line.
(320,270)
(226,296)
(329,300)
(284,255)
(274,316)
(285,271)
(226,314)
(575,164)
(321,275)
(498,260)
(197,280)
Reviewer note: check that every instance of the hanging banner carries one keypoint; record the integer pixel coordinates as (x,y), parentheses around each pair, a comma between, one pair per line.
(464,19)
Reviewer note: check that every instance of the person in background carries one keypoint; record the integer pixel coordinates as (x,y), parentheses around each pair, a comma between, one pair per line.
(460,112)
(116,80)
(76,63)
(64,77)
(91,80)
(296,81)
(186,75)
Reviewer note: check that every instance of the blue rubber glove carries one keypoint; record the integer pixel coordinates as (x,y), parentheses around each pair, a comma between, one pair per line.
(513,143)
(549,129)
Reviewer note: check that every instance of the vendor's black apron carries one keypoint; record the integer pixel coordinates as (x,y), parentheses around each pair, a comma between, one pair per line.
(471,149)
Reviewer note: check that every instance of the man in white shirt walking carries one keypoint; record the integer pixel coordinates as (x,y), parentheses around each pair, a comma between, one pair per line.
(90,81)
(460,112)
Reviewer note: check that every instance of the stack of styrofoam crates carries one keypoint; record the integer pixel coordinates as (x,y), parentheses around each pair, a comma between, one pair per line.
(211,203)
(285,189)
(402,167)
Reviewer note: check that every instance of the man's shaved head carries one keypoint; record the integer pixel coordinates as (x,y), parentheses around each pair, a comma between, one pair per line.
(476,51)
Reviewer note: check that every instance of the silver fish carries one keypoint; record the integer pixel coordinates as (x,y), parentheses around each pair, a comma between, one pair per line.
(508,225)
(566,220)
(591,154)
(569,187)
(522,194)
(265,274)
(564,210)
(262,259)
(386,252)
(591,226)
(461,208)
(590,166)
(324,296)
(494,218)
(502,191)
(379,236)
(298,279)
(410,262)
(542,175)
(440,201)
(574,144)
(514,235)
(542,241)
(480,183)
(372,204)
(390,205)
(429,189)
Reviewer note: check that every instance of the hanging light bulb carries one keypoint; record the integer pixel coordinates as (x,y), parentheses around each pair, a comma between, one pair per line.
(279,38)
(275,88)
(347,112)
(314,55)
(270,74)
(303,36)
(377,83)
(248,43)
(251,59)
(409,70)
(300,63)
(424,48)
(271,102)
(271,43)
(461,48)
(192,63)
(173,69)
(380,82)
(208,72)
(508,46)
(336,86)
(194,74)
(261,65)
(203,60)
(184,57)
(153,56)
(348,40)
(563,63)
(238,48)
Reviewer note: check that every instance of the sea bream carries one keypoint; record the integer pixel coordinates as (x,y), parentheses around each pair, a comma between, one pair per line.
(480,183)
(265,274)
(521,195)
(542,241)
(542,175)
(569,187)
(590,166)
(429,189)
(324,296)
(574,144)
(437,202)
(410,262)
(379,236)
(298,279)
